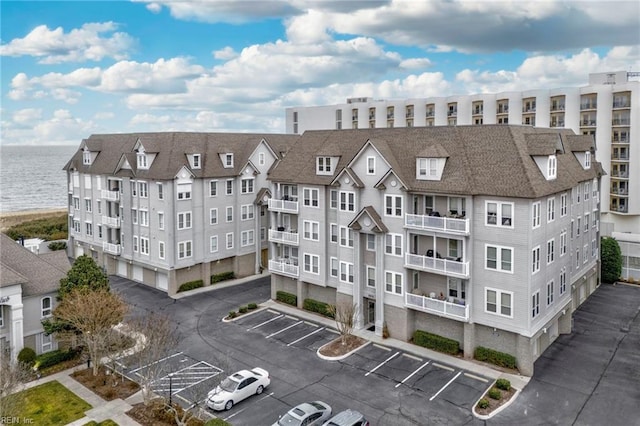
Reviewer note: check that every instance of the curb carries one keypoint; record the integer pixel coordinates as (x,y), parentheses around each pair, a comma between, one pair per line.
(339,357)
(249,313)
(497,410)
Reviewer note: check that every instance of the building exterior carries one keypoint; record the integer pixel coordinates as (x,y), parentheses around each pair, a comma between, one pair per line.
(488,235)
(165,209)
(28,288)
(607,108)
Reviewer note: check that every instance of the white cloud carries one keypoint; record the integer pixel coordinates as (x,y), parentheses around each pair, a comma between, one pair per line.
(154,8)
(27,116)
(104,115)
(162,76)
(414,63)
(225,54)
(61,128)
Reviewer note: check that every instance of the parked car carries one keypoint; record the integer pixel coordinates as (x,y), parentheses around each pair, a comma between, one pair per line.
(307,414)
(237,387)
(347,418)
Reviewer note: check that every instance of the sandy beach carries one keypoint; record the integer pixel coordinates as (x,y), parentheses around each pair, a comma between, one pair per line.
(9,219)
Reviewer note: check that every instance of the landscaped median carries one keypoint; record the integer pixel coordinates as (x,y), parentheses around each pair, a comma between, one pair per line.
(496,399)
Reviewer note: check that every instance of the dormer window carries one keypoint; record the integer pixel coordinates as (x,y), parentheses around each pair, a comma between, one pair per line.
(552,167)
(228,160)
(429,168)
(142,159)
(196,161)
(587,159)
(86,157)
(324,166)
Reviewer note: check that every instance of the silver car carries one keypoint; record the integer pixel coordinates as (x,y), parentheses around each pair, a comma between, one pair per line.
(306,414)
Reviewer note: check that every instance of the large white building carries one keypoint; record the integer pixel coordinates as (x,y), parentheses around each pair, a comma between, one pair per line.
(607,108)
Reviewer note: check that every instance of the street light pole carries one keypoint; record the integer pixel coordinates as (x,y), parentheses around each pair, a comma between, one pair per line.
(170,389)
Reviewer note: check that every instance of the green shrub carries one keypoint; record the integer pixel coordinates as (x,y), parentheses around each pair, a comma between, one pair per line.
(436,342)
(57,245)
(610,260)
(252,306)
(483,403)
(191,285)
(51,228)
(55,357)
(317,306)
(503,384)
(243,309)
(498,358)
(494,393)
(232,314)
(216,278)
(217,422)
(288,298)
(27,356)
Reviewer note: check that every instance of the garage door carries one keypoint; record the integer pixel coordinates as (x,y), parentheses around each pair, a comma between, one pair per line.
(122,268)
(79,251)
(162,281)
(137,273)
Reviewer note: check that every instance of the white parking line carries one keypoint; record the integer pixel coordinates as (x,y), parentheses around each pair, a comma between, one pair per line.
(304,337)
(284,329)
(414,373)
(444,367)
(476,377)
(155,362)
(445,386)
(266,322)
(412,357)
(383,363)
(382,347)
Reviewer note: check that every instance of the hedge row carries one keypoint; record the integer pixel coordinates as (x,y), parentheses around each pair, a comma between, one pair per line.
(317,306)
(498,358)
(288,298)
(223,276)
(436,342)
(191,285)
(48,359)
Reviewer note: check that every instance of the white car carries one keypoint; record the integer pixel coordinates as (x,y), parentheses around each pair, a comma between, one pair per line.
(237,387)
(306,414)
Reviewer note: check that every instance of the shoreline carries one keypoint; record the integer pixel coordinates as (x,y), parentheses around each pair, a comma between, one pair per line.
(9,219)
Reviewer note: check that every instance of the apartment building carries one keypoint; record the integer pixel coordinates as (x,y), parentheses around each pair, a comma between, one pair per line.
(164,209)
(488,235)
(608,108)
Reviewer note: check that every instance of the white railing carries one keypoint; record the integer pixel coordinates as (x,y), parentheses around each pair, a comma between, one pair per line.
(284,267)
(112,248)
(437,265)
(285,237)
(110,195)
(113,222)
(438,307)
(436,223)
(286,206)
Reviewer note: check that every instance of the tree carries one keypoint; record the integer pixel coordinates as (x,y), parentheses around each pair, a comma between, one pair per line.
(90,316)
(345,317)
(12,378)
(610,260)
(84,273)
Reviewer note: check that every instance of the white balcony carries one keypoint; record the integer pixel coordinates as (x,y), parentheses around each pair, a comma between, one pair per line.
(110,195)
(111,222)
(438,307)
(112,248)
(285,206)
(436,223)
(436,265)
(285,267)
(291,238)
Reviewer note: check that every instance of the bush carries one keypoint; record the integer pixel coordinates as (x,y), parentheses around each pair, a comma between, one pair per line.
(243,309)
(500,359)
(191,285)
(216,278)
(55,357)
(436,342)
(483,403)
(503,384)
(27,356)
(494,393)
(252,306)
(49,229)
(232,314)
(317,306)
(288,298)
(610,260)
(57,245)
(217,422)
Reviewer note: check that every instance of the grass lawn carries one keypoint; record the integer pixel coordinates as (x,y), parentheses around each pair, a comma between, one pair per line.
(51,404)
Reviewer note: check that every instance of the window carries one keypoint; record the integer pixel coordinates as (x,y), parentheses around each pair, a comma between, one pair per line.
(135,244)
(196,161)
(184,220)
(552,165)
(184,191)
(371,242)
(563,280)
(47,342)
(144,217)
(333,196)
(550,285)
(134,216)
(371,276)
(160,220)
(498,258)
(142,160)
(134,189)
(144,245)
(371,165)
(347,201)
(87,205)
(229,214)
(563,242)
(453,247)
(76,203)
(498,302)
(594,248)
(577,258)
(184,249)
(1,317)
(213,243)
(535,304)
(228,160)
(86,157)
(346,236)
(586,222)
(346,272)
(563,205)
(535,213)
(578,225)
(247,238)
(334,232)
(551,209)
(393,244)
(161,249)
(585,253)
(311,230)
(393,205)
(310,197)
(393,282)
(499,214)
(88,226)
(229,240)
(587,159)
(246,186)
(261,158)
(76,226)
(578,192)
(334,267)
(213,188)
(551,247)
(100,231)
(311,263)
(99,206)
(427,168)
(247,212)
(229,187)
(263,234)
(587,190)
(160,191)
(213,216)
(46,307)
(143,189)
(323,165)
(535,260)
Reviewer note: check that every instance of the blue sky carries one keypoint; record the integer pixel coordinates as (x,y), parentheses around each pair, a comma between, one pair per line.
(74,68)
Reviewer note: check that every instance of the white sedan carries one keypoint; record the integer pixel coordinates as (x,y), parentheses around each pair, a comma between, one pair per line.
(306,414)
(237,387)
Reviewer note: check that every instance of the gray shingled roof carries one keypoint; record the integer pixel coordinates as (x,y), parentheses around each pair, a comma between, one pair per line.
(493,160)
(37,274)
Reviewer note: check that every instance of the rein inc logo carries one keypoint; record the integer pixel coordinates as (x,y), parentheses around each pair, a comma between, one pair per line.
(8,420)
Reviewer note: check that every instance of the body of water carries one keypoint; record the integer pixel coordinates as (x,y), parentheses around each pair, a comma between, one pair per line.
(31,177)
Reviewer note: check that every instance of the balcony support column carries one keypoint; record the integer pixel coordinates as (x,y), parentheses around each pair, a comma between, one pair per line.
(469,341)
(380,242)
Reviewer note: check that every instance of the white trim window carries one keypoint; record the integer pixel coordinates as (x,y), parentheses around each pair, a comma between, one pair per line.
(346,236)
(261,158)
(563,242)
(371,276)
(535,260)
(371,242)
(586,222)
(550,291)
(499,214)
(498,302)
(88,228)
(552,167)
(587,159)
(213,244)
(46,306)
(76,226)
(563,205)
(551,209)
(499,258)
(161,250)
(196,161)
(587,190)
(393,205)
(144,246)
(184,191)
(535,304)
(312,263)
(46,342)
(144,217)
(393,282)
(310,197)
(76,203)
(371,165)
(346,272)
(213,216)
(86,157)
(333,198)
(333,229)
(246,186)
(247,238)
(323,166)
(535,214)
(229,240)
(213,188)
(87,205)
(229,214)
(143,189)
(247,212)
(311,230)
(135,244)
(551,250)
(585,253)
(99,206)
(229,187)
(347,201)
(185,249)
(100,231)
(228,160)
(333,267)
(594,247)
(563,280)
(134,216)
(393,244)
(134,189)
(160,220)
(578,225)
(160,188)
(426,168)
(184,220)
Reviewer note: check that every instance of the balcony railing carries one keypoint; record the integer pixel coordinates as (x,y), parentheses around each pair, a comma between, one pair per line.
(430,114)
(110,195)
(112,248)
(438,307)
(285,237)
(557,124)
(286,206)
(620,156)
(619,209)
(452,113)
(621,121)
(557,107)
(588,123)
(435,223)
(588,105)
(437,265)
(620,140)
(284,267)
(619,191)
(502,109)
(622,104)
(112,222)
(617,174)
